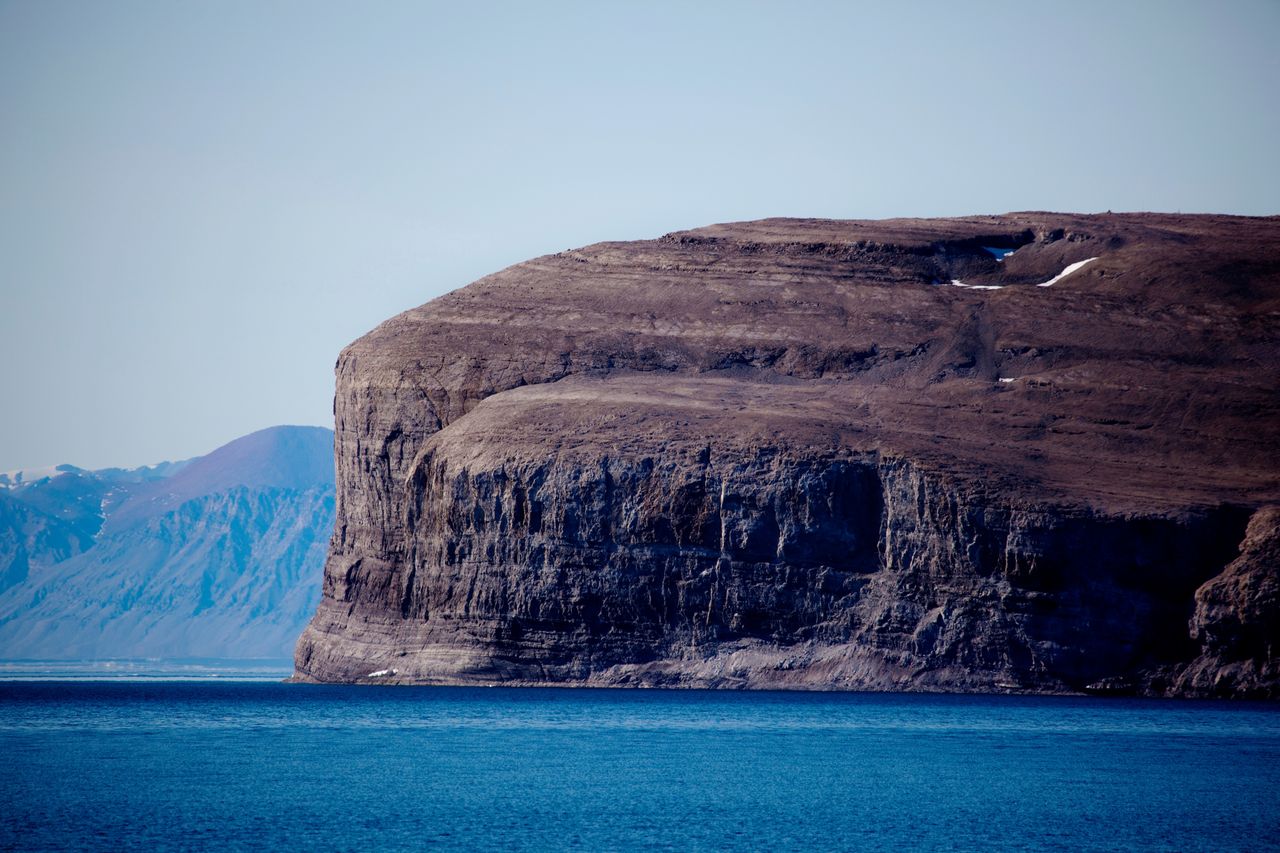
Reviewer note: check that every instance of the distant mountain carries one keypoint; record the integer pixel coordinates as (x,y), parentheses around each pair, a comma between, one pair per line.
(83,499)
(28,535)
(283,457)
(27,476)
(218,556)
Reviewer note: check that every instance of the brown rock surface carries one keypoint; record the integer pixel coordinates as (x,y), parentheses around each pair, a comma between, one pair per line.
(792,453)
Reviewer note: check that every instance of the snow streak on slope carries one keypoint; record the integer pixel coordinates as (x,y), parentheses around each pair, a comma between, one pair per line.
(1068,270)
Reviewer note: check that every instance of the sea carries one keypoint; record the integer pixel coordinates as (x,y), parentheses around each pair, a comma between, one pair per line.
(253,765)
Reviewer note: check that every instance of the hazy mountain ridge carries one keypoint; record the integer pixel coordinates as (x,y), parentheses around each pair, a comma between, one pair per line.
(218,556)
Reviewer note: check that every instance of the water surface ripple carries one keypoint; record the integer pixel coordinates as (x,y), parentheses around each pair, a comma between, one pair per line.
(254,766)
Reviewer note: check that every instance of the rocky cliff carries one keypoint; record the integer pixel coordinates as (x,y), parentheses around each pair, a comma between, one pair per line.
(1028,452)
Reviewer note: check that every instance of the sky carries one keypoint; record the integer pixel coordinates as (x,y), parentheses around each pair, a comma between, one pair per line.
(201,203)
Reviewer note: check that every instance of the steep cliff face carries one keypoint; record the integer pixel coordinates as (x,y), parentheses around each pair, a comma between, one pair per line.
(1237,619)
(823,455)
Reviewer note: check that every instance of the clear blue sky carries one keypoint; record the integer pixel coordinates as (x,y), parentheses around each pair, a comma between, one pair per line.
(202,202)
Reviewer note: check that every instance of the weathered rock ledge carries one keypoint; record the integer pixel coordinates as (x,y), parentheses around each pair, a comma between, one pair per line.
(792,453)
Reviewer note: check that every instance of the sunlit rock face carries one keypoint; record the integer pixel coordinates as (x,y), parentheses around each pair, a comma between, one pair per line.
(793,453)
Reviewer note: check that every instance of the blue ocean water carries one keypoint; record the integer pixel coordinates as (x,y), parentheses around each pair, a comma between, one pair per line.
(254,766)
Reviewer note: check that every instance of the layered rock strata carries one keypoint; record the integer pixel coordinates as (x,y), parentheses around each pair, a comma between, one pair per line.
(816,454)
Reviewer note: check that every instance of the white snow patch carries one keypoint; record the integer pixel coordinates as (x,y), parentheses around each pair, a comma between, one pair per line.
(1066,272)
(955,282)
(1007,379)
(382,673)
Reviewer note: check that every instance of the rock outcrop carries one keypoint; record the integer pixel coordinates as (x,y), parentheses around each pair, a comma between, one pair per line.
(1028,452)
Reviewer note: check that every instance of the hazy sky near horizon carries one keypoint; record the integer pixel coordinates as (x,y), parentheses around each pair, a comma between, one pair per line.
(202,202)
